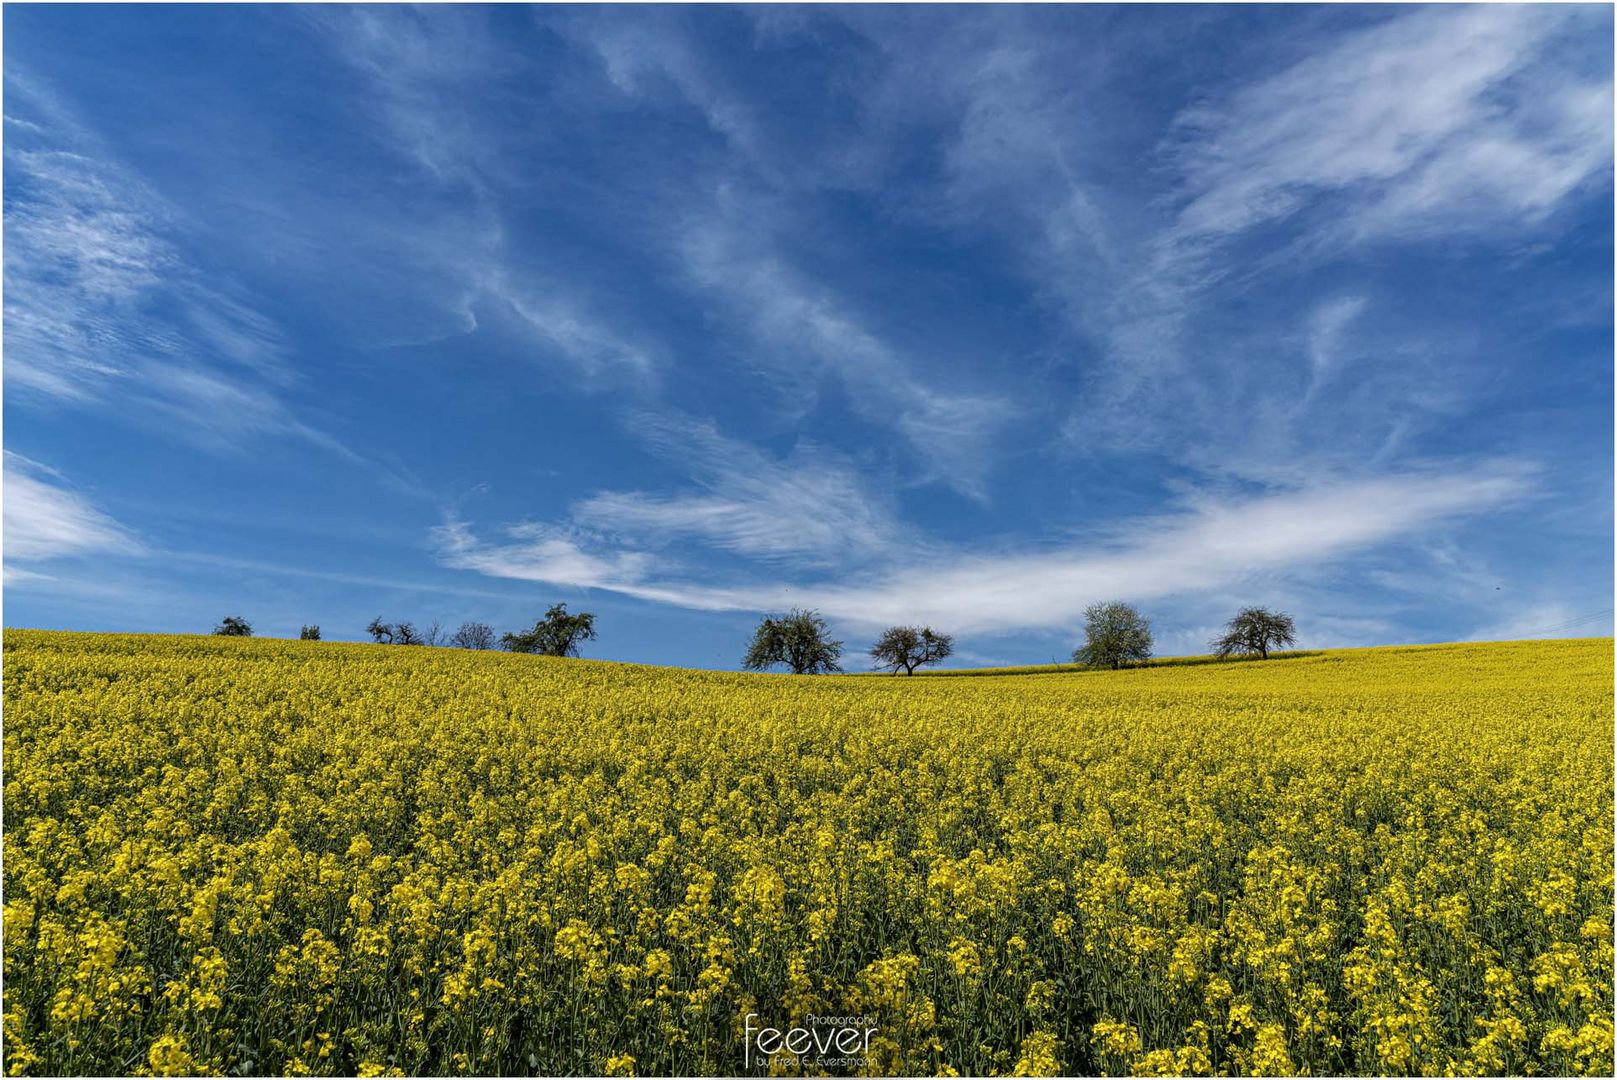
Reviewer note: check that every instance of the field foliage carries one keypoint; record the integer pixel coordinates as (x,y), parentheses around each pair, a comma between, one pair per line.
(256,856)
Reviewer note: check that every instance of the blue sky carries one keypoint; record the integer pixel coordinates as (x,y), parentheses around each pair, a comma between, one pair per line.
(961,316)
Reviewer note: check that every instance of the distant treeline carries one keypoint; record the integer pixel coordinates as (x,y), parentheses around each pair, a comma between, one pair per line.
(1116,636)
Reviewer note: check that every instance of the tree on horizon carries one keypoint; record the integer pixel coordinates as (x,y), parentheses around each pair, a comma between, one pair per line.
(473,635)
(399,633)
(1114,634)
(799,639)
(909,647)
(557,634)
(1255,630)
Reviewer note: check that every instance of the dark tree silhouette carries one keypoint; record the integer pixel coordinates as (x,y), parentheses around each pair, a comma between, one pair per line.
(1255,630)
(310,633)
(909,647)
(473,635)
(402,633)
(1114,634)
(234,626)
(799,640)
(557,634)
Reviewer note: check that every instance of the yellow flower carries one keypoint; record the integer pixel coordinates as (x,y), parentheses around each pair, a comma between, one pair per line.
(1116,1039)
(1038,1056)
(965,958)
(169,1057)
(270,857)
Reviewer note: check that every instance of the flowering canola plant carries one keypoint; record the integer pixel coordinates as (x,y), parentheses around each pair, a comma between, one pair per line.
(256,856)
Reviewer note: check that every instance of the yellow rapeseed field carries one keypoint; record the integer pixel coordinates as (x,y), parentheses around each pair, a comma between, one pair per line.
(256,856)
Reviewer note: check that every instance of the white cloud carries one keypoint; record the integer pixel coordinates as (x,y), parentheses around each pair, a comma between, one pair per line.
(45,520)
(1453,123)
(427,70)
(79,258)
(731,250)
(1552,619)
(600,354)
(537,552)
(640,53)
(1327,325)
(1454,117)
(1210,544)
(417,59)
(797,320)
(103,309)
(809,508)
(1020,161)
(810,505)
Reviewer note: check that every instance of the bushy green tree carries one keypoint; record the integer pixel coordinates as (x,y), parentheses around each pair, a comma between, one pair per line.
(909,647)
(557,634)
(310,633)
(1255,630)
(800,640)
(1114,634)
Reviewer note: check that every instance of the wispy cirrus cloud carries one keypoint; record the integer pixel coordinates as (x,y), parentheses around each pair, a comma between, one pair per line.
(810,506)
(46,519)
(729,243)
(1408,128)
(104,309)
(1015,167)
(1442,122)
(1327,325)
(1545,619)
(1210,543)
(1425,127)
(600,354)
(719,230)
(534,551)
(803,328)
(422,63)
(1444,119)
(427,71)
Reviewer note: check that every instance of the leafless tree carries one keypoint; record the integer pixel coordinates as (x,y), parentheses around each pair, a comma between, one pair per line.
(473,635)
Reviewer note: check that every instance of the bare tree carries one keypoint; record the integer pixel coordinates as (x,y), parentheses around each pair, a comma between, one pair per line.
(400,633)
(473,635)
(435,635)
(1255,630)
(234,626)
(909,647)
